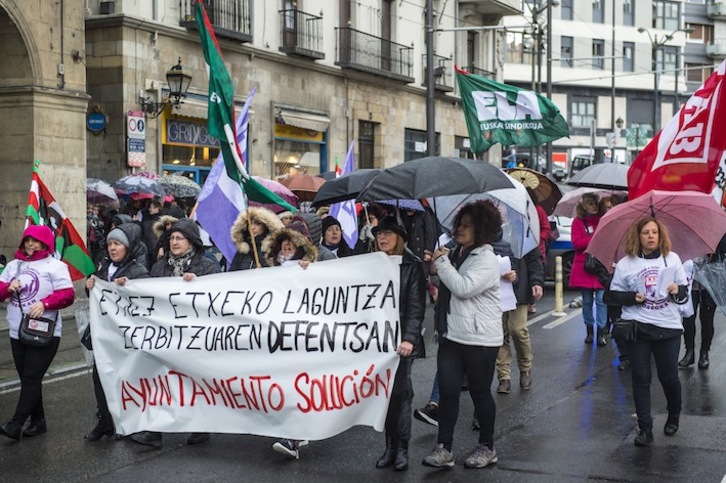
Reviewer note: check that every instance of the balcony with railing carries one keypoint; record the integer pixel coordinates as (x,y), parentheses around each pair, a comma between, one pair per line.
(716,49)
(231,19)
(363,52)
(301,34)
(471,69)
(443,73)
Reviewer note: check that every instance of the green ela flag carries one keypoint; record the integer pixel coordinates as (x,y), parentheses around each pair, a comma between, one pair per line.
(500,113)
(220,115)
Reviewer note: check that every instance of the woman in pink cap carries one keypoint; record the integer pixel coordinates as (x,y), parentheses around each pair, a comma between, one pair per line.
(42,285)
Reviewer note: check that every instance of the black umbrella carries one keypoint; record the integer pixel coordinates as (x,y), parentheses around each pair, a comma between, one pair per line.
(344,188)
(435,176)
(609,176)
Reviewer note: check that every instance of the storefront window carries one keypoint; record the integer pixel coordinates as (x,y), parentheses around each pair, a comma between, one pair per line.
(298,151)
(187,148)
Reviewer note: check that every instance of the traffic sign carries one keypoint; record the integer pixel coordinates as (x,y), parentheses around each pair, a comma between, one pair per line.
(136,125)
(136,152)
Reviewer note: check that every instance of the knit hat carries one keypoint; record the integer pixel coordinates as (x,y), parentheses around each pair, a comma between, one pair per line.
(329,221)
(284,214)
(118,235)
(390,223)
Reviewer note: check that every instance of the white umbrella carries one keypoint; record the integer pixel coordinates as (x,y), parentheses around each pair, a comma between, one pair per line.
(519,213)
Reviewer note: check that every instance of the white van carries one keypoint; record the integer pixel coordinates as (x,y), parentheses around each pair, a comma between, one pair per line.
(580,162)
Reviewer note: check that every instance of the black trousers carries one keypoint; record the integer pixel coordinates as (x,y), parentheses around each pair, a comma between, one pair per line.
(477,363)
(31,363)
(708,310)
(398,418)
(103,414)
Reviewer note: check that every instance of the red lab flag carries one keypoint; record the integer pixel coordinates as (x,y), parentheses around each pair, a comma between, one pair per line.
(687,152)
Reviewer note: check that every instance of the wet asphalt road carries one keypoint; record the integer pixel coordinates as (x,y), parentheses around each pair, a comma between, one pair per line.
(575,424)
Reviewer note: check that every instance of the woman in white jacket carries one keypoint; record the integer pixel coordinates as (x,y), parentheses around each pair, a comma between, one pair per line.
(469,325)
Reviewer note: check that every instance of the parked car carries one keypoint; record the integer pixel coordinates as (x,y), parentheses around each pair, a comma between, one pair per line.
(558,173)
(562,247)
(580,162)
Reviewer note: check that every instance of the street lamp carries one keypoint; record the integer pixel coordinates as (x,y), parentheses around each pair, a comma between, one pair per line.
(657,42)
(178,82)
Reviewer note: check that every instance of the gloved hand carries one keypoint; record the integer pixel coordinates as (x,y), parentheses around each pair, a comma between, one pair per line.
(366,233)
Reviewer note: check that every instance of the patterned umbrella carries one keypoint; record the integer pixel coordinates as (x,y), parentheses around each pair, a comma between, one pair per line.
(98,191)
(147,174)
(545,190)
(304,186)
(139,187)
(179,186)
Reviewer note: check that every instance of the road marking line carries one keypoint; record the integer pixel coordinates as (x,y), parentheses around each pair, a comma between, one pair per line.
(60,375)
(562,320)
(534,320)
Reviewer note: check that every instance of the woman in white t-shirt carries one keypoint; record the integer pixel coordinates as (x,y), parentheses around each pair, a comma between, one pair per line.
(649,283)
(39,285)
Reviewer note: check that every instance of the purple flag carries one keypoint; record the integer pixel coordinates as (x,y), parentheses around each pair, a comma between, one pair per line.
(344,211)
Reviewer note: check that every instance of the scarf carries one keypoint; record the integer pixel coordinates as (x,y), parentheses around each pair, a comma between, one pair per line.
(441,309)
(178,264)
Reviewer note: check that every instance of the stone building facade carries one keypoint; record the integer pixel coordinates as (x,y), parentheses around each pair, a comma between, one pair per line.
(43,104)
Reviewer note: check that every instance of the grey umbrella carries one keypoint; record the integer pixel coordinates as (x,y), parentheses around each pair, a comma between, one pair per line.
(98,191)
(435,176)
(344,188)
(609,176)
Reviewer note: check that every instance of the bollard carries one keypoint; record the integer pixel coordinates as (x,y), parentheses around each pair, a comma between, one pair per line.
(559,296)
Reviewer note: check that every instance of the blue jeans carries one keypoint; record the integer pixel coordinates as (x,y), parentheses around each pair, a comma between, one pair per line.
(589,297)
(665,354)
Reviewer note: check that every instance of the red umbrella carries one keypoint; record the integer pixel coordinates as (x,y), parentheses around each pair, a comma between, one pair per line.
(304,186)
(694,220)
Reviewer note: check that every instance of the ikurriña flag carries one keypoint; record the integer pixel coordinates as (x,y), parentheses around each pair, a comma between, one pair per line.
(43,209)
(687,154)
(500,113)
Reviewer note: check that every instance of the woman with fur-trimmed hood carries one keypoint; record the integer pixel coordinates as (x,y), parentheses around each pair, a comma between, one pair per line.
(263,222)
(289,246)
(160,230)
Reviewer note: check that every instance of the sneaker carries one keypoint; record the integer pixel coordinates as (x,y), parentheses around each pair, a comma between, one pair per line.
(148,438)
(671,425)
(428,414)
(644,437)
(481,457)
(505,386)
(290,447)
(440,457)
(624,365)
(475,424)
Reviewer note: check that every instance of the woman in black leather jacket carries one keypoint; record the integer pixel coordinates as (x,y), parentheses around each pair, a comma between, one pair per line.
(391,238)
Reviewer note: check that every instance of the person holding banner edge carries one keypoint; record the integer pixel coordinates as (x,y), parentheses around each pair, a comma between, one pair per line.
(184,258)
(123,261)
(42,284)
(391,239)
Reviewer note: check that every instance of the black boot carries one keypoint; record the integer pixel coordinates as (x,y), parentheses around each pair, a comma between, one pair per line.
(644,437)
(36,427)
(12,430)
(589,338)
(703,362)
(671,425)
(402,456)
(389,455)
(601,342)
(102,428)
(688,359)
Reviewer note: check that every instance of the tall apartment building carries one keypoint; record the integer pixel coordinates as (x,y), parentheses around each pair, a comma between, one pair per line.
(604,55)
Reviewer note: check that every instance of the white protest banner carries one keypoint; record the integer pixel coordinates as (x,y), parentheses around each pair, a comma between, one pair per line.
(281,352)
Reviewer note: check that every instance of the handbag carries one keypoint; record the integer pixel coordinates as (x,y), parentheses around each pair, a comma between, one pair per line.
(35,331)
(592,265)
(624,330)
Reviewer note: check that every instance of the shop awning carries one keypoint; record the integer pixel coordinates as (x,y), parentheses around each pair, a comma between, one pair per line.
(304,120)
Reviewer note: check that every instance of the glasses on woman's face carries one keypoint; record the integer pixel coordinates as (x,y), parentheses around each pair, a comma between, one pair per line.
(174,239)
(385,233)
